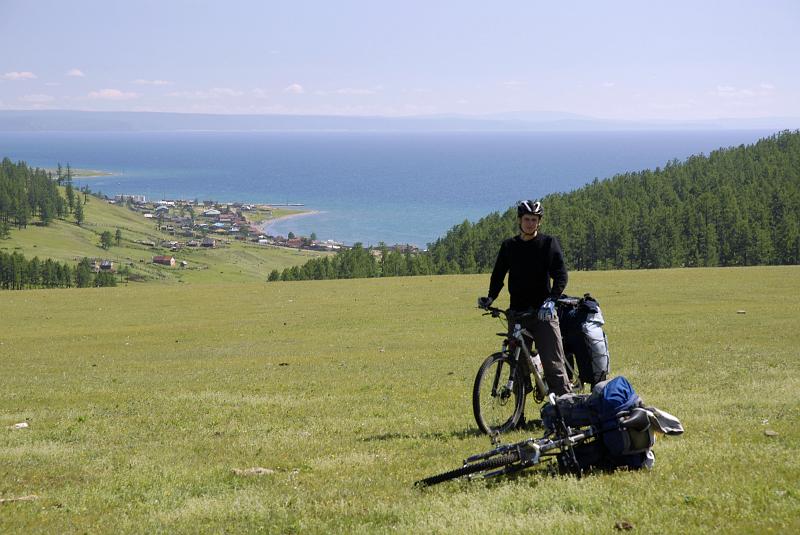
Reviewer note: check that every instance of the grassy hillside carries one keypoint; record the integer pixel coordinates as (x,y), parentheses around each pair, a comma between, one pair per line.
(66,241)
(142,401)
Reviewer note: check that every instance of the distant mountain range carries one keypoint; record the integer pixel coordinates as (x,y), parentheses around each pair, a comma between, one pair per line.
(63,120)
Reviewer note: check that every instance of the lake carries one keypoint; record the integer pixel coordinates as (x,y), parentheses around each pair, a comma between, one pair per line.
(367,187)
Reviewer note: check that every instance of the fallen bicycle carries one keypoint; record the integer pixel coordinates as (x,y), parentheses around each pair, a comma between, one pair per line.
(608,429)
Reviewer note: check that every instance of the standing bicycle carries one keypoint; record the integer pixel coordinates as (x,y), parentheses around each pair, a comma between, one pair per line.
(537,276)
(506,378)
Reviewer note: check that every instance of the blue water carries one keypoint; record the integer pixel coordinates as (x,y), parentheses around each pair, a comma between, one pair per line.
(368,187)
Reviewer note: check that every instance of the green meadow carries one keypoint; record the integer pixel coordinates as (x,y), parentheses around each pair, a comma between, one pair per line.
(147,404)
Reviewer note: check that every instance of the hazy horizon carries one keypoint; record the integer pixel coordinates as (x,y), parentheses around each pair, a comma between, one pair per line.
(124,121)
(623,61)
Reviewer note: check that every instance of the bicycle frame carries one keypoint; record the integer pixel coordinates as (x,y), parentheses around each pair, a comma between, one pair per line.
(515,340)
(509,458)
(531,451)
(505,378)
(520,346)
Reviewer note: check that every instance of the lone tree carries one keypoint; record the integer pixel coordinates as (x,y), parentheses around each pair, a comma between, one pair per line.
(78,213)
(106,239)
(104,278)
(83,274)
(118,236)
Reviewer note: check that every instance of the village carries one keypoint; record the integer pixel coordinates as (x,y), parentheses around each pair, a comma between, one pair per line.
(211,224)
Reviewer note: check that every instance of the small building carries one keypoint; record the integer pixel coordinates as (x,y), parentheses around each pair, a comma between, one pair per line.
(137,199)
(208,242)
(212,212)
(192,243)
(107,265)
(164,260)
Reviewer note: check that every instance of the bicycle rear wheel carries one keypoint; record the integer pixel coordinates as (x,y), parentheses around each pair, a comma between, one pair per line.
(497,408)
(488,464)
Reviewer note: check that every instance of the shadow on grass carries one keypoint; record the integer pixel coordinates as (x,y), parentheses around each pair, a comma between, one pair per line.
(440,435)
(530,425)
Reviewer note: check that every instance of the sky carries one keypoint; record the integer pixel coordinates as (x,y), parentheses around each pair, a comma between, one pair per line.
(631,60)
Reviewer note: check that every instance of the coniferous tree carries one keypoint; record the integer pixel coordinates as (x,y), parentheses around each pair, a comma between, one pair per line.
(106,239)
(737,206)
(83,274)
(78,213)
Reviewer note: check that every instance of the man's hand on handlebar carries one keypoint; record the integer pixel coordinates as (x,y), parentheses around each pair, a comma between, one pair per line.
(485,302)
(548,310)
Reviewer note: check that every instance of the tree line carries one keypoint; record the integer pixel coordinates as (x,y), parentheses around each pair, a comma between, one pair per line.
(737,206)
(27,193)
(19,273)
(358,262)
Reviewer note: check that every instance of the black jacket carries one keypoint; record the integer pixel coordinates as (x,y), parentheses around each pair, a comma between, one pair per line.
(530,266)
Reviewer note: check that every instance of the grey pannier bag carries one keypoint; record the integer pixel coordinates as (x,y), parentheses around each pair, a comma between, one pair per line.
(583,336)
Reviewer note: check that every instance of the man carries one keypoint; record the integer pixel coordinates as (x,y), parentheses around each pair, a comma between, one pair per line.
(531,260)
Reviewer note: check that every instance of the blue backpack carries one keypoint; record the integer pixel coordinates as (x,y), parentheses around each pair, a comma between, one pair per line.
(611,397)
(616,445)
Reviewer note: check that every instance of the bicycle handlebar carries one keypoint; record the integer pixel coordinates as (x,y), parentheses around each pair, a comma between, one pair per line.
(508,313)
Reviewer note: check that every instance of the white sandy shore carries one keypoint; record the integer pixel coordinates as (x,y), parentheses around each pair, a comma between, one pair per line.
(265,225)
(84,173)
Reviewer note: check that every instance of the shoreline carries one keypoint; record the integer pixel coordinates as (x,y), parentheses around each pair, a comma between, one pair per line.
(267,223)
(85,173)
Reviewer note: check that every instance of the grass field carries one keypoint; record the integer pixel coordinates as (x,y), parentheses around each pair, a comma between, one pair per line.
(142,401)
(67,242)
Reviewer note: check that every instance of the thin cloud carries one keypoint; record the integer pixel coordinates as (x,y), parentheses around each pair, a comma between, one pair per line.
(37,99)
(226,92)
(514,84)
(112,94)
(217,92)
(731,92)
(295,89)
(75,72)
(152,82)
(608,84)
(355,91)
(16,75)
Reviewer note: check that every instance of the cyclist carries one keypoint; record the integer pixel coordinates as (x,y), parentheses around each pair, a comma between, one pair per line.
(531,260)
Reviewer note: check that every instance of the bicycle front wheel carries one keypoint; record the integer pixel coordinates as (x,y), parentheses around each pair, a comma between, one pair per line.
(497,408)
(482,466)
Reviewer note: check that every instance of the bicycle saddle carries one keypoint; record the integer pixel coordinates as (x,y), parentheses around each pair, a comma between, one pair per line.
(637,420)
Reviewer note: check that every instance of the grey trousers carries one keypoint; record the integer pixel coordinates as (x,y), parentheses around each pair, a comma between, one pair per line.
(547,337)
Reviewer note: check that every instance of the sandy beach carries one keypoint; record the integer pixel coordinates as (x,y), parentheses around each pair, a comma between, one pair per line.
(266,224)
(83,173)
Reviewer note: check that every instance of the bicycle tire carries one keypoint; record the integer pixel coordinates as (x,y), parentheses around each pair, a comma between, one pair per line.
(497,413)
(488,464)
